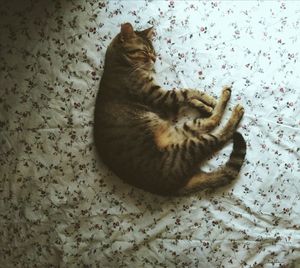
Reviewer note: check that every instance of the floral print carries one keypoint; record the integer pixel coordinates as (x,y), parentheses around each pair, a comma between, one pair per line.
(60,207)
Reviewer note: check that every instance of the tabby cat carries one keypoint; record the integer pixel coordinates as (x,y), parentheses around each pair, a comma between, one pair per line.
(135,133)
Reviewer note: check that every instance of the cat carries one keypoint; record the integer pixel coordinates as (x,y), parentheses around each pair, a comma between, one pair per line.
(134,131)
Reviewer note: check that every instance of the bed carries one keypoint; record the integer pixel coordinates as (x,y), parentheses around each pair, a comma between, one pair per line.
(61,207)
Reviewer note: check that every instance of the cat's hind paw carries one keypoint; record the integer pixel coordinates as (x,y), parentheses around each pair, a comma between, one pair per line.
(238,113)
(226,93)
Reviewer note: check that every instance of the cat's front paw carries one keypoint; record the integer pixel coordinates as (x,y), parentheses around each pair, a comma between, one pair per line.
(203,107)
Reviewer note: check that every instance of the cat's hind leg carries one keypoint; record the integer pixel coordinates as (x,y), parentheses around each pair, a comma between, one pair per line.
(221,176)
(181,153)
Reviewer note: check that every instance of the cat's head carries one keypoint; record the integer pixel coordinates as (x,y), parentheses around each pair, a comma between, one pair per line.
(133,49)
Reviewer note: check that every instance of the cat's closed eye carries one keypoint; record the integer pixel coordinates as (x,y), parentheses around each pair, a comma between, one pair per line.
(142,54)
(133,51)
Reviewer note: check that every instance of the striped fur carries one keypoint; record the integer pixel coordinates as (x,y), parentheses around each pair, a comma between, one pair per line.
(134,130)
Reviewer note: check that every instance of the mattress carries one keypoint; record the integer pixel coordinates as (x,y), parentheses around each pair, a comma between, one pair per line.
(61,207)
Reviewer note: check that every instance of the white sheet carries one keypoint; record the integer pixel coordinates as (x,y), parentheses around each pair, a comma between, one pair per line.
(60,206)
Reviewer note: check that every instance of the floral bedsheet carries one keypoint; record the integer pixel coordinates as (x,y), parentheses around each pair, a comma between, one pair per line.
(60,207)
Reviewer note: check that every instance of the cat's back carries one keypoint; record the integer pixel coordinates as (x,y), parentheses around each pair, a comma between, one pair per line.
(124,136)
(113,109)
(122,123)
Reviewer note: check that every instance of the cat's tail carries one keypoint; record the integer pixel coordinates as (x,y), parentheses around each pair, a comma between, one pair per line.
(237,157)
(224,174)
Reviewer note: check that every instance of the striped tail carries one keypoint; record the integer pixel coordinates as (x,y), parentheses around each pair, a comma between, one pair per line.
(236,160)
(222,176)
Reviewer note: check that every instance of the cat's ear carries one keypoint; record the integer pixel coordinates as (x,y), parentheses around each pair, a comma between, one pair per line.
(149,33)
(126,31)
